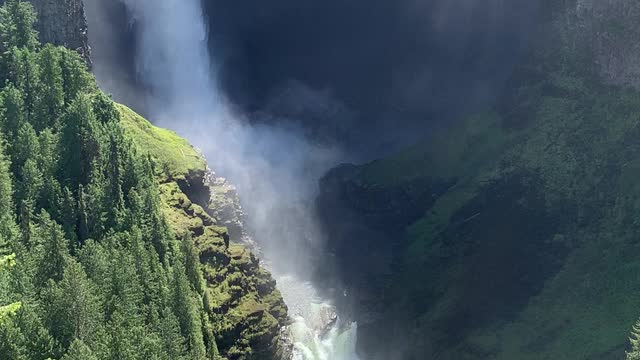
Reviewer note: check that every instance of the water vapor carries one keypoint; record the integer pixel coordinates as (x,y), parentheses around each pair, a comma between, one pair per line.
(274,167)
(401,67)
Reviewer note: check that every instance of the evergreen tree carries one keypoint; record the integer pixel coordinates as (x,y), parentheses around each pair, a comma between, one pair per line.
(114,193)
(51,91)
(7,213)
(169,328)
(16,25)
(187,312)
(634,354)
(104,109)
(72,308)
(23,72)
(25,337)
(79,351)
(47,161)
(96,198)
(83,216)
(6,310)
(49,236)
(11,111)
(67,215)
(32,182)
(192,264)
(75,78)
(80,142)
(25,147)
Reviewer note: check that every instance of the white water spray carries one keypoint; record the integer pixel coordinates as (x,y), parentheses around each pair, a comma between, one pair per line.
(275,169)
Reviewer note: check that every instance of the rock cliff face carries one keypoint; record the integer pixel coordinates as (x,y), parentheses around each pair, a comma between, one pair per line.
(247,312)
(603,33)
(63,22)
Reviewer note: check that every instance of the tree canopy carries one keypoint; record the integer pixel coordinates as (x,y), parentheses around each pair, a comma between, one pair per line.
(89,268)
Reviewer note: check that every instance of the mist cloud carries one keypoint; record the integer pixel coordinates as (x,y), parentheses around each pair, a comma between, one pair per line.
(395,68)
(398,66)
(275,167)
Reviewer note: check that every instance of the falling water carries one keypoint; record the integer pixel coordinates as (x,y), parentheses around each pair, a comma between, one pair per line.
(317,331)
(275,169)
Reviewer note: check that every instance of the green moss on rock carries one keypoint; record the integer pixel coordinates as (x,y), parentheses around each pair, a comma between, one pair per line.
(176,157)
(246,311)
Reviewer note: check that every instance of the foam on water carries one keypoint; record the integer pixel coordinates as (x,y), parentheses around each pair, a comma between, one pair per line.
(318,333)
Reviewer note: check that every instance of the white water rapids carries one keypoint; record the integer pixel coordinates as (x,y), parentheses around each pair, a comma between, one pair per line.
(313,339)
(274,169)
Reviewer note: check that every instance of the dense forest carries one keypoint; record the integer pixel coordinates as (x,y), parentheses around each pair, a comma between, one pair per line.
(90,267)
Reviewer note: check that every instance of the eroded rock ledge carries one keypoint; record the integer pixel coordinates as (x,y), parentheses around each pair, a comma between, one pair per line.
(247,312)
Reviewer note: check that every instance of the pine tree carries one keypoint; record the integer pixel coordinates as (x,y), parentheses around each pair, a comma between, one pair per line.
(125,290)
(25,147)
(104,109)
(51,91)
(169,329)
(150,282)
(75,78)
(80,142)
(16,25)
(47,161)
(96,199)
(32,182)
(7,310)
(634,354)
(187,313)
(12,111)
(72,308)
(25,222)
(31,335)
(68,215)
(23,72)
(7,213)
(55,250)
(114,193)
(79,351)
(25,337)
(123,342)
(192,264)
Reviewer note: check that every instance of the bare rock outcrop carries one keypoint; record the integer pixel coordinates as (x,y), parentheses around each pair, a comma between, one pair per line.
(63,22)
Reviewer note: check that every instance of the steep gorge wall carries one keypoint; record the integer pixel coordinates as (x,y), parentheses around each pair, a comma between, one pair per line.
(602,34)
(495,241)
(247,312)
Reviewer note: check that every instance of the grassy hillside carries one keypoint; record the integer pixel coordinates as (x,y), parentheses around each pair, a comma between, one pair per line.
(513,234)
(175,154)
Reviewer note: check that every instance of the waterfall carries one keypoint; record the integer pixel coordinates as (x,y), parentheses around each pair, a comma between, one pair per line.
(317,331)
(274,168)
